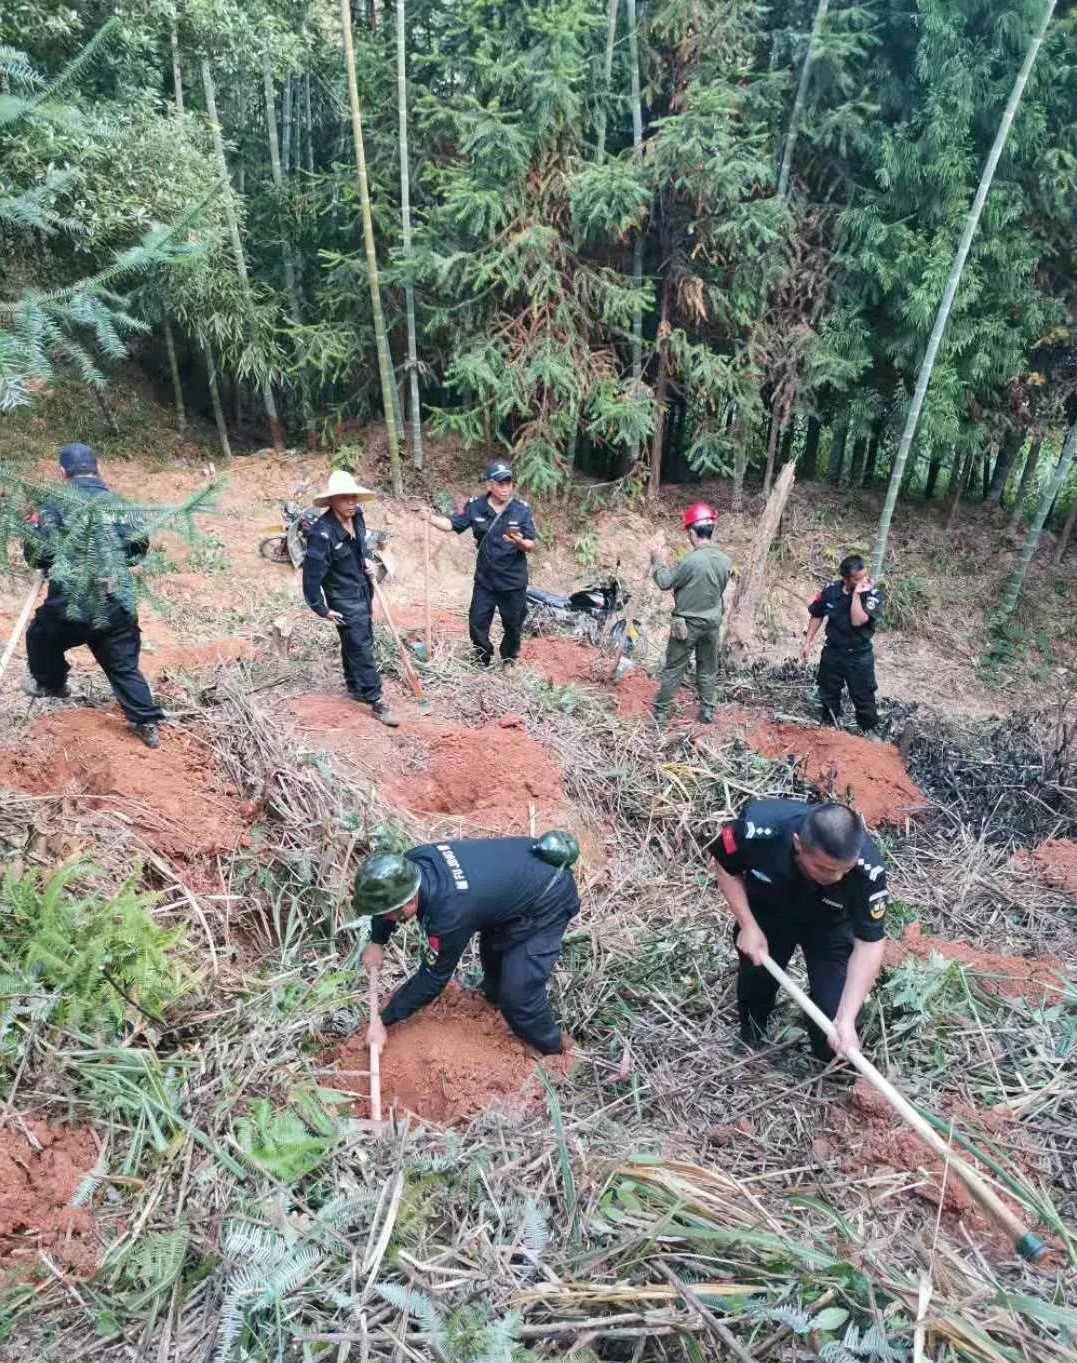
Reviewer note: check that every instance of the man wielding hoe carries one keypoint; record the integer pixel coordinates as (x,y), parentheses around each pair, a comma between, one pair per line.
(504,535)
(517,894)
(851,607)
(337,573)
(698,583)
(64,621)
(809,876)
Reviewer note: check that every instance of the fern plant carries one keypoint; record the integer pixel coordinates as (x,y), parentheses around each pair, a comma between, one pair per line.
(266,1268)
(465,1335)
(292,1141)
(97,955)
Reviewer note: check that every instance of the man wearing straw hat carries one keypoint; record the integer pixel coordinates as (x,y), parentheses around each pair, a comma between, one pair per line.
(336,585)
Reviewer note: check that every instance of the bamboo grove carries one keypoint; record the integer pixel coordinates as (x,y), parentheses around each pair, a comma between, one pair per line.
(647,239)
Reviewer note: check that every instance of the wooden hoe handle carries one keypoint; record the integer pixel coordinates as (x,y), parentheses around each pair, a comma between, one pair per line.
(412,675)
(1026,1242)
(375,1055)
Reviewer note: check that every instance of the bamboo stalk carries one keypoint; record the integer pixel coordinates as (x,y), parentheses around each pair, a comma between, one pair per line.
(215,400)
(426,589)
(177,69)
(385,368)
(1025,1241)
(801,95)
(405,217)
(637,245)
(173,369)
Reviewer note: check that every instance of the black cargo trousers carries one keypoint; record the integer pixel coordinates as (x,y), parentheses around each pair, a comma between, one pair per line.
(518,959)
(826,947)
(510,604)
(852,668)
(114,642)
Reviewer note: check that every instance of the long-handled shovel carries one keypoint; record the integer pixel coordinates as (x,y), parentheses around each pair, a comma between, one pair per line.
(409,670)
(19,626)
(375,1055)
(1026,1242)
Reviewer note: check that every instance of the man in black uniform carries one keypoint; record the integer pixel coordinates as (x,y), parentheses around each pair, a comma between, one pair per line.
(517,894)
(505,534)
(111,631)
(851,608)
(337,573)
(795,874)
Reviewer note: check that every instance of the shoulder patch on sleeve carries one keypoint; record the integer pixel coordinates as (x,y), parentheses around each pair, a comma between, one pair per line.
(816,598)
(758,830)
(729,839)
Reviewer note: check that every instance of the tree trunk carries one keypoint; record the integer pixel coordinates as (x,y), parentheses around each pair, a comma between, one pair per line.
(787,440)
(740,468)
(956,270)
(961,475)
(772,447)
(1011,448)
(285,125)
(1067,531)
(662,383)
(1013,587)
(1028,476)
(809,460)
(177,386)
(750,584)
(385,366)
(229,203)
(177,69)
(607,81)
(405,215)
(215,400)
(860,455)
(799,99)
(836,459)
(286,249)
(868,475)
(934,468)
(637,245)
(308,124)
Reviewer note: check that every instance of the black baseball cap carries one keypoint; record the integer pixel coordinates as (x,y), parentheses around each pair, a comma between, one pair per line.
(77,458)
(499,472)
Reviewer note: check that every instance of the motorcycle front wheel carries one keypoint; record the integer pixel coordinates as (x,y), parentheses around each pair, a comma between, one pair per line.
(275,548)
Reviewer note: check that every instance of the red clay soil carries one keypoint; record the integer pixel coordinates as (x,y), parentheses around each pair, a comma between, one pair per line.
(340,726)
(870,1135)
(411,621)
(174,794)
(1036,978)
(494,773)
(564,662)
(36,1186)
(839,763)
(1056,864)
(449,1062)
(173,658)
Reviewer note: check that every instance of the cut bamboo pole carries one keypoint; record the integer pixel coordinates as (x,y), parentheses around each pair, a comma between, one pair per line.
(1025,1241)
(426,589)
(405,659)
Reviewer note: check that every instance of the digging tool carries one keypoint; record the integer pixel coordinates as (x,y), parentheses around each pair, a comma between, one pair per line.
(1026,1242)
(409,668)
(19,627)
(375,1055)
(426,588)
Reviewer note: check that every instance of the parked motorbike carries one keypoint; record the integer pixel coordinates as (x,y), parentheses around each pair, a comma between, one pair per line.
(288,543)
(596,613)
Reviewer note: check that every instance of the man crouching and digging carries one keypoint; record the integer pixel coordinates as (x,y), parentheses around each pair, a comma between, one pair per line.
(795,874)
(519,895)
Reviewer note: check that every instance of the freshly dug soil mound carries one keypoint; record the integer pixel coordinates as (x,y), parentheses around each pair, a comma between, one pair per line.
(1056,864)
(36,1184)
(564,662)
(1036,978)
(174,795)
(450,1061)
(495,773)
(840,763)
(338,725)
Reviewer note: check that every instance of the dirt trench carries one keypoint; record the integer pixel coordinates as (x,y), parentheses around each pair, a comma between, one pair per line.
(41,1167)
(1036,978)
(1055,862)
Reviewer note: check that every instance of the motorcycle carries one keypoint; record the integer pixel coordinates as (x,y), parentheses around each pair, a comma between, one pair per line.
(288,543)
(596,613)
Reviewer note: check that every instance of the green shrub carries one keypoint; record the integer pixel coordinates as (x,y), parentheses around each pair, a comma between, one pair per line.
(89,951)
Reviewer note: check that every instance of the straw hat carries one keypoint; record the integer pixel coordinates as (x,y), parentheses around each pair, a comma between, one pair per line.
(342,484)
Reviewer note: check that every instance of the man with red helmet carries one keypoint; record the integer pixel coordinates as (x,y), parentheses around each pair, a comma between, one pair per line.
(697,582)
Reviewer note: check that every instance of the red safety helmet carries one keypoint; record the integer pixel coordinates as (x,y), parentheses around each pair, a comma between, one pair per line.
(697,514)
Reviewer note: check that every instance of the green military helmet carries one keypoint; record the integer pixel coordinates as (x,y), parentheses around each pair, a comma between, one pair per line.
(383,883)
(558,848)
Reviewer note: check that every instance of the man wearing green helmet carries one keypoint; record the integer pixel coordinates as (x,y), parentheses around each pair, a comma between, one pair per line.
(519,895)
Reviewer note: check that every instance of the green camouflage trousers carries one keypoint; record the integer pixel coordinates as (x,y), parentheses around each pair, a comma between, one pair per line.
(701,640)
